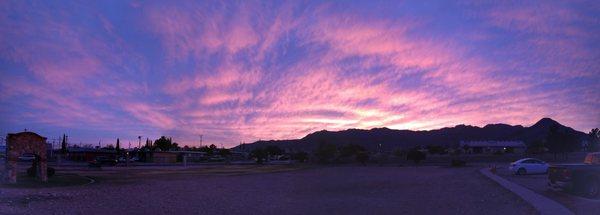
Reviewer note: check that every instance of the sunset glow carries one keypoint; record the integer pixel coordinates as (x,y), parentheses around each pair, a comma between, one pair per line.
(248,70)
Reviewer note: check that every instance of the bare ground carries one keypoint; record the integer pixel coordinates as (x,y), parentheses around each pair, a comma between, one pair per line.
(321,190)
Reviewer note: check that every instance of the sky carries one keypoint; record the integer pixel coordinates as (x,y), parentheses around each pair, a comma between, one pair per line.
(241,71)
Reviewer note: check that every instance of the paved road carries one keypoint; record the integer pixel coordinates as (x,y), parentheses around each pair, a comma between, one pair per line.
(538,183)
(325,190)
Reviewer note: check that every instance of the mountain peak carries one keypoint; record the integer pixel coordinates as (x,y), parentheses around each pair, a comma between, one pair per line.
(544,122)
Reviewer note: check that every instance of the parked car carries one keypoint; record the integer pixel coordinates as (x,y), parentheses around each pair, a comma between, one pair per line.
(27,157)
(101,160)
(528,166)
(582,178)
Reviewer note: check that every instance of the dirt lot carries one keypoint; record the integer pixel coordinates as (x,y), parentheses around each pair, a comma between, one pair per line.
(538,183)
(320,190)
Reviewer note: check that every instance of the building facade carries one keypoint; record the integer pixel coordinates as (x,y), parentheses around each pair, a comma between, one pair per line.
(492,146)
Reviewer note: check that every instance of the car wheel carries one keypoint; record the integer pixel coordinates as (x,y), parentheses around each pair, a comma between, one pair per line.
(592,189)
(521,171)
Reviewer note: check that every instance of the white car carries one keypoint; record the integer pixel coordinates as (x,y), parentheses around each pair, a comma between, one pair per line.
(528,166)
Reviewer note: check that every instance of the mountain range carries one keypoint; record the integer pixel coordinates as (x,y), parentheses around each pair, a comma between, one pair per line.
(391,139)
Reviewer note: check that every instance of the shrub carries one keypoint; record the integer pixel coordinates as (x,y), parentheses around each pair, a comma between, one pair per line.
(457,163)
(416,156)
(300,156)
(362,157)
(325,152)
(399,152)
(260,155)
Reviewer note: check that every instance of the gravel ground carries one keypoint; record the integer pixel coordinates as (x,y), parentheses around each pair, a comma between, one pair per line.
(538,183)
(323,190)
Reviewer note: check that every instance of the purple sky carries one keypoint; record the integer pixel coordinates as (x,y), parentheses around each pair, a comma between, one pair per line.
(243,70)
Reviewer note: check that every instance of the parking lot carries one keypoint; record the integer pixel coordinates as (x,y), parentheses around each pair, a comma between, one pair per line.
(538,183)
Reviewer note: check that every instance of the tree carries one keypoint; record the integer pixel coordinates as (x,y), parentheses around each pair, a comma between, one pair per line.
(536,146)
(399,152)
(594,136)
(351,150)
(224,152)
(300,156)
(165,144)
(63,145)
(325,152)
(415,155)
(205,149)
(559,141)
(273,150)
(148,143)
(362,157)
(259,154)
(118,147)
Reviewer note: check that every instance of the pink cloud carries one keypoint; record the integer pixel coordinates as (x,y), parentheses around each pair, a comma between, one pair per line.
(151,115)
(236,76)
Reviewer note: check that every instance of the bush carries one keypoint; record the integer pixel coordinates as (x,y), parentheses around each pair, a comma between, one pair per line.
(457,163)
(416,156)
(399,152)
(300,157)
(325,152)
(432,149)
(362,157)
(259,154)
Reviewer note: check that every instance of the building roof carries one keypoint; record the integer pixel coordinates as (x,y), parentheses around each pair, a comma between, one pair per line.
(492,143)
(27,133)
(84,149)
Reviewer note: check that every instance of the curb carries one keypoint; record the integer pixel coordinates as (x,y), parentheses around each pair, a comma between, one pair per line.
(540,203)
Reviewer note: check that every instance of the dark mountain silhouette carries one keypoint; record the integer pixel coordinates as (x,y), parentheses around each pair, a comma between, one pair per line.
(390,138)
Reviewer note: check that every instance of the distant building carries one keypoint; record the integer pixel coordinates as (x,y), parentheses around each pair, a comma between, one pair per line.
(2,150)
(193,156)
(164,157)
(490,146)
(89,154)
(238,155)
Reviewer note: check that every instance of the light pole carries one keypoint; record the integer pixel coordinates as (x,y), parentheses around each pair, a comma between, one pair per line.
(139,142)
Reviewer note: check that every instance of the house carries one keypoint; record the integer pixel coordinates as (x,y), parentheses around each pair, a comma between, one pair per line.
(163,157)
(491,146)
(193,156)
(89,154)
